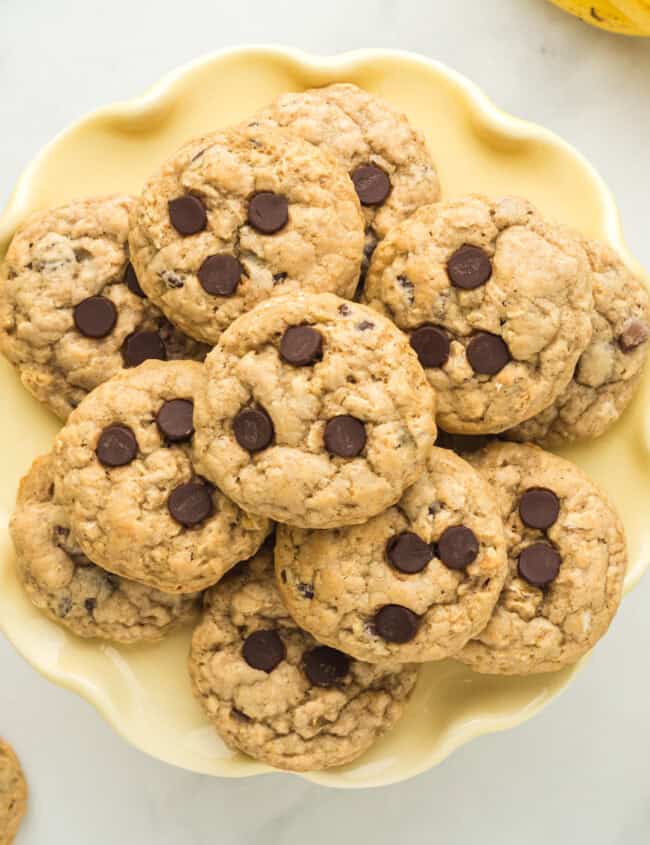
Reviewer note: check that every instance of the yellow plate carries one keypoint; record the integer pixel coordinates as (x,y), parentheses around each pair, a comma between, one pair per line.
(144,691)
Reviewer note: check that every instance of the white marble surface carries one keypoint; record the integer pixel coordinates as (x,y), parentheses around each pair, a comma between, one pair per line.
(579,772)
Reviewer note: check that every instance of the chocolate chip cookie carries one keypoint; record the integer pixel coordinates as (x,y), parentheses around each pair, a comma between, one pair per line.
(124,474)
(388,161)
(72,312)
(611,366)
(239,216)
(567,561)
(276,694)
(314,412)
(61,581)
(13,794)
(496,302)
(412,584)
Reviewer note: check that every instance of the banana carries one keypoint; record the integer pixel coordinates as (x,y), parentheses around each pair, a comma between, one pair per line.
(628,17)
(638,11)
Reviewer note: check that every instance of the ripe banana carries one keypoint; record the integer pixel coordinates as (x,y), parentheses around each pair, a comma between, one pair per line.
(629,17)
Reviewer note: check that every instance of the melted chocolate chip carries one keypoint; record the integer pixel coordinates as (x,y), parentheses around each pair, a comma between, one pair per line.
(431,344)
(539,564)
(117,446)
(469,267)
(345,436)
(301,346)
(268,212)
(253,429)
(325,666)
(408,553)
(190,503)
(487,353)
(220,274)
(187,215)
(95,316)
(175,419)
(371,184)
(457,547)
(142,346)
(396,624)
(539,508)
(264,650)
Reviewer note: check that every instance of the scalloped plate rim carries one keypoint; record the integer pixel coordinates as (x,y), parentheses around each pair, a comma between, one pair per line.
(492,116)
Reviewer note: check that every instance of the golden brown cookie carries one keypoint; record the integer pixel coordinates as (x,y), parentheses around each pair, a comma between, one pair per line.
(124,474)
(412,584)
(240,216)
(72,313)
(609,370)
(13,794)
(69,588)
(314,412)
(496,302)
(273,692)
(567,561)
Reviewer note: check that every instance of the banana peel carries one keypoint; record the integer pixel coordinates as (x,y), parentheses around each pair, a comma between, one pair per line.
(627,17)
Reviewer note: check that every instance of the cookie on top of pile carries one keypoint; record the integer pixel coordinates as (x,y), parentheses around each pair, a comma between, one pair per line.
(365,429)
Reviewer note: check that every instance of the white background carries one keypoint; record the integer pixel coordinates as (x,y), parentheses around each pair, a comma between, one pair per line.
(579,772)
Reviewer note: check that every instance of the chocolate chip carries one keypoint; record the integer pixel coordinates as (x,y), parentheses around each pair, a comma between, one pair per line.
(301,345)
(408,553)
(345,436)
(117,446)
(220,274)
(90,604)
(371,184)
(344,310)
(131,281)
(190,503)
(365,325)
(175,419)
(141,346)
(95,316)
(635,332)
(539,564)
(187,214)
(253,429)
(325,666)
(64,607)
(305,590)
(264,650)
(407,286)
(396,624)
(457,547)
(487,353)
(432,345)
(539,507)
(268,212)
(469,267)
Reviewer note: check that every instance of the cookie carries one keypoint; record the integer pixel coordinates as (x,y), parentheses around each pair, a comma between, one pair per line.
(412,584)
(567,561)
(123,472)
(387,160)
(61,581)
(496,302)
(611,366)
(273,692)
(239,216)
(13,794)
(72,313)
(315,412)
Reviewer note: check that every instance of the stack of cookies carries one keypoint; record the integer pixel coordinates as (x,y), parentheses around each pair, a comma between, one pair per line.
(275,367)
